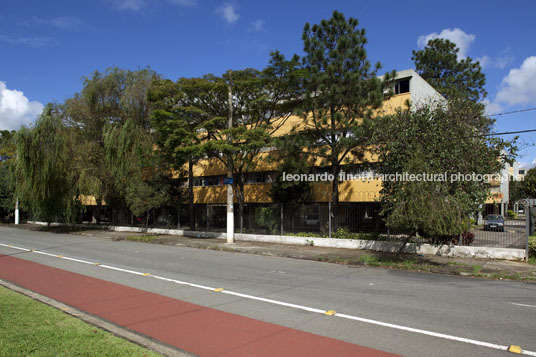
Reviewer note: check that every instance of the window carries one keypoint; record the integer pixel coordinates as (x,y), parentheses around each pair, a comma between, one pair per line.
(402,86)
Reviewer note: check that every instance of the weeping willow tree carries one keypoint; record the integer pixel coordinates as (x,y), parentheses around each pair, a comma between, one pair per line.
(131,159)
(107,99)
(45,175)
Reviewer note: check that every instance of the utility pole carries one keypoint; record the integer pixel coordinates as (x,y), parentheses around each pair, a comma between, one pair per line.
(230,212)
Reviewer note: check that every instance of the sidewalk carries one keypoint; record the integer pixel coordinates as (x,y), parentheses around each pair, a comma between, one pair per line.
(482,268)
(193,328)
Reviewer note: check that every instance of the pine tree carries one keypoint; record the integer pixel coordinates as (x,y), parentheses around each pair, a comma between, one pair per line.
(342,91)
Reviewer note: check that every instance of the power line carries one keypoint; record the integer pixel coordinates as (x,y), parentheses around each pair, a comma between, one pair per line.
(512,112)
(505,133)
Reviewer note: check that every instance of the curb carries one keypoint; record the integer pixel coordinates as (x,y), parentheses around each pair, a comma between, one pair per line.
(116,330)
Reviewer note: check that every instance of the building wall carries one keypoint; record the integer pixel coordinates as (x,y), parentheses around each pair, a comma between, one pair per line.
(350,191)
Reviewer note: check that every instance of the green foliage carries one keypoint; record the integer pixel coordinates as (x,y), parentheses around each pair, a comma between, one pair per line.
(46,178)
(146,238)
(438,63)
(528,185)
(291,159)
(197,125)
(511,214)
(433,140)
(129,157)
(532,246)
(341,92)
(516,190)
(269,218)
(107,101)
(304,234)
(7,182)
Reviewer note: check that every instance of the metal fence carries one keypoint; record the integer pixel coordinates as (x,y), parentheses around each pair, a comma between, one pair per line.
(510,235)
(348,220)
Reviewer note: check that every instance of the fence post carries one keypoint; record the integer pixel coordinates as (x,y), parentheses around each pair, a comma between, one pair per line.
(281,218)
(329,218)
(179,216)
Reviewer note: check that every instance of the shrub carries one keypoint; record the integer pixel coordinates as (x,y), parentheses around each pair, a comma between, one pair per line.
(268,218)
(511,214)
(305,234)
(532,246)
(468,238)
(343,233)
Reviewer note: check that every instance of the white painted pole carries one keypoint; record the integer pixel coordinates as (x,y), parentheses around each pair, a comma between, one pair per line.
(17,218)
(230,212)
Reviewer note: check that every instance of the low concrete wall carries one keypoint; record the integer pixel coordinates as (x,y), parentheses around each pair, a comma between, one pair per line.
(380,246)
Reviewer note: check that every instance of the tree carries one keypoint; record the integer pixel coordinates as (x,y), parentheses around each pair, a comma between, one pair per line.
(108,99)
(181,122)
(528,185)
(46,178)
(292,159)
(7,185)
(460,81)
(439,65)
(261,103)
(342,91)
(435,140)
(131,157)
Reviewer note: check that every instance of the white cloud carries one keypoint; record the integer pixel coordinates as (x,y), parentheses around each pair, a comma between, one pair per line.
(228,12)
(257,26)
(502,62)
(459,37)
(62,22)
(527,166)
(129,5)
(485,61)
(499,62)
(492,107)
(139,5)
(519,86)
(16,109)
(29,41)
(183,2)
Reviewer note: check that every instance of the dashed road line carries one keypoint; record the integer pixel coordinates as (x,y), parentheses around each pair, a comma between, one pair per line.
(296,306)
(525,305)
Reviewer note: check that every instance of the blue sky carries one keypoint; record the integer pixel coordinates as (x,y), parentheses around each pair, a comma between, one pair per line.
(46,47)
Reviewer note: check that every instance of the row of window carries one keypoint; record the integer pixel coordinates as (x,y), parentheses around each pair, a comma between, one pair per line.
(269,177)
(252,178)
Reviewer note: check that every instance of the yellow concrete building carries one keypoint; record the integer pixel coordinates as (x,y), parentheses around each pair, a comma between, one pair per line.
(210,174)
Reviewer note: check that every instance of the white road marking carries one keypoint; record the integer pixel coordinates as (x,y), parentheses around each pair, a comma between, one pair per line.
(513,303)
(295,306)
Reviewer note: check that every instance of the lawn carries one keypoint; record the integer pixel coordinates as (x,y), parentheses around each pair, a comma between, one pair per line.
(29,327)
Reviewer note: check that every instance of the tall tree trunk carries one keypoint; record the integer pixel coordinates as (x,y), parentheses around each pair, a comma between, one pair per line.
(191,208)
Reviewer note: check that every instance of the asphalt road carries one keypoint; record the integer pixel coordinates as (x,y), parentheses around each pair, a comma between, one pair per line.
(385,302)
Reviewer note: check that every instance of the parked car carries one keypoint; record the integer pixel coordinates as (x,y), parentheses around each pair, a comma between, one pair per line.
(494,222)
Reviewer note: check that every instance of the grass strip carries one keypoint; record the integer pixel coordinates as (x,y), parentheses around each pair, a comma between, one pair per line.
(31,328)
